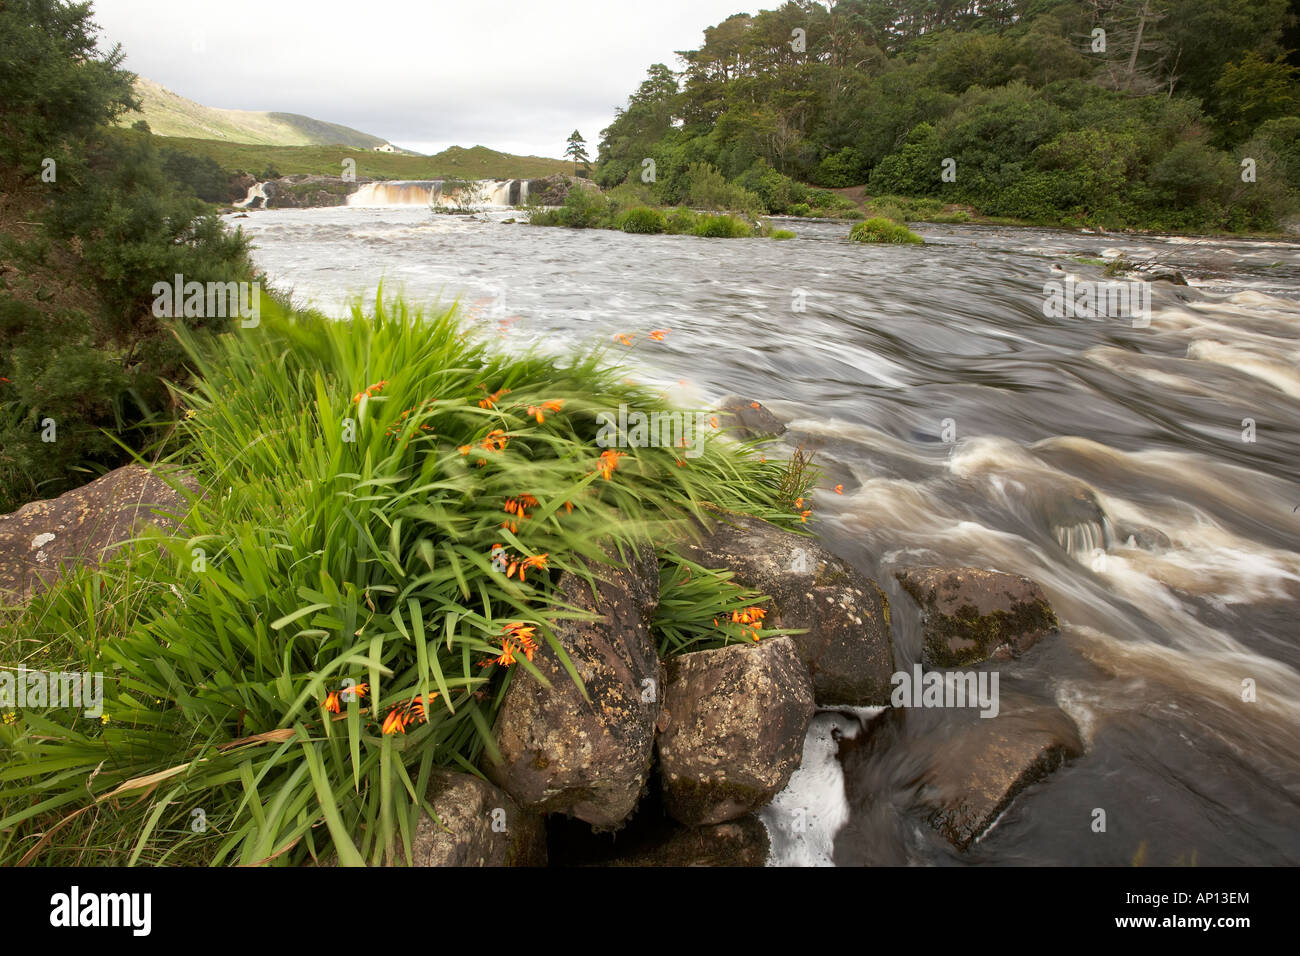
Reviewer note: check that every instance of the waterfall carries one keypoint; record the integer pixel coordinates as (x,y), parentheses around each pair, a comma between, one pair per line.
(473,194)
(396,193)
(255,192)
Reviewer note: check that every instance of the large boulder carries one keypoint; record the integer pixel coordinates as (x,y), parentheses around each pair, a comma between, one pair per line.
(972,614)
(588,758)
(477,825)
(732,729)
(846,645)
(83,525)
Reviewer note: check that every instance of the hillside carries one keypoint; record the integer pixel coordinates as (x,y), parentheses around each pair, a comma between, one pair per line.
(477,162)
(169,114)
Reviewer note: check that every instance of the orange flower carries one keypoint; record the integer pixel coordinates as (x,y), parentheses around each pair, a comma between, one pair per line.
(496,440)
(803,516)
(608,462)
(464,449)
(624,339)
(755,405)
(798,502)
(516,638)
(370,390)
(658,334)
(491,400)
(334,699)
(519,508)
(839,489)
(405,714)
(536,561)
(713,420)
(552,406)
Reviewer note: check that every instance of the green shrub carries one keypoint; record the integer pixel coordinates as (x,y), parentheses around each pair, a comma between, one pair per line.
(801,209)
(883,230)
(583,208)
(682,221)
(723,227)
(782,234)
(643,219)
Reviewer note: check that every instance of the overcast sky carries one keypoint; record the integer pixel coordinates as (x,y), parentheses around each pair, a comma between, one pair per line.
(515,75)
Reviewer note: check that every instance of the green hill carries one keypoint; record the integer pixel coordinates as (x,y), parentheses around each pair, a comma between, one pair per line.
(170,114)
(458,162)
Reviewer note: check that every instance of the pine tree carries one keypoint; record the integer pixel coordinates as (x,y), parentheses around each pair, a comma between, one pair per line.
(577,148)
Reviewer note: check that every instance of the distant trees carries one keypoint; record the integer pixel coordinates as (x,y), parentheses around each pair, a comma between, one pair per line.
(577,149)
(1056,110)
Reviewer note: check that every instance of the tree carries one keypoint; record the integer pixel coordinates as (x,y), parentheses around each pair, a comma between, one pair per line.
(577,148)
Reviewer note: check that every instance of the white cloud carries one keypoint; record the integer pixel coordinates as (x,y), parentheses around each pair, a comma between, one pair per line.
(515,75)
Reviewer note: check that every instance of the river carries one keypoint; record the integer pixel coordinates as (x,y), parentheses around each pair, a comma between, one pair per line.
(1147,477)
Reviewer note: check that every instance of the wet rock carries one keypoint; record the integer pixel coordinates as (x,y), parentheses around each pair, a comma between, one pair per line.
(960,771)
(587,758)
(746,419)
(739,842)
(732,728)
(477,825)
(847,645)
(972,614)
(83,525)
(980,769)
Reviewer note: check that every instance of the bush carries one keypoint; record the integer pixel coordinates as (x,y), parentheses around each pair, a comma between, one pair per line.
(844,168)
(682,221)
(707,188)
(583,208)
(883,230)
(723,227)
(782,234)
(643,219)
(801,209)
(332,560)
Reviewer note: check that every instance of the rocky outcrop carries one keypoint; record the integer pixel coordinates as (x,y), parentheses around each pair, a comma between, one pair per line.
(83,525)
(732,728)
(477,825)
(846,646)
(588,758)
(972,614)
(302,191)
(746,419)
(553,190)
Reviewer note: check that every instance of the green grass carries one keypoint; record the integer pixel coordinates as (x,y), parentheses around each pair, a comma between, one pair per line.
(883,230)
(782,234)
(310,559)
(455,162)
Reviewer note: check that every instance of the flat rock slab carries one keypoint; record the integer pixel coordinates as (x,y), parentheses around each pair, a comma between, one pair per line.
(972,614)
(587,758)
(477,825)
(847,645)
(83,525)
(732,729)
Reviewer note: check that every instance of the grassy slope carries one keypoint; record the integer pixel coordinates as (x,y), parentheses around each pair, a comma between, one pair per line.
(169,114)
(459,162)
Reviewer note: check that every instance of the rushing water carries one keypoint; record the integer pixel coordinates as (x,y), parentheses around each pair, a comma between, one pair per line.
(1105,461)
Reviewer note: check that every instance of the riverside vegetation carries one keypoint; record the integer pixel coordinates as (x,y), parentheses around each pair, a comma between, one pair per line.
(1039,116)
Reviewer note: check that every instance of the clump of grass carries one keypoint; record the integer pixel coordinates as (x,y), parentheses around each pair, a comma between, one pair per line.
(723,227)
(782,234)
(362,485)
(643,219)
(883,230)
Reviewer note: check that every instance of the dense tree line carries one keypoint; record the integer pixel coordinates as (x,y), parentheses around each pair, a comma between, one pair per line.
(91,217)
(1124,113)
